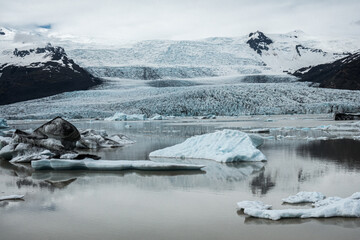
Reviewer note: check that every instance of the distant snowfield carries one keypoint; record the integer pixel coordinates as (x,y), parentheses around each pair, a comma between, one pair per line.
(222,96)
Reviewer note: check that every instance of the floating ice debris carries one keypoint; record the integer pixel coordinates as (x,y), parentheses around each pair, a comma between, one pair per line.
(12,197)
(330,207)
(158,117)
(304,197)
(109,165)
(353,126)
(3,123)
(125,117)
(252,204)
(91,139)
(222,146)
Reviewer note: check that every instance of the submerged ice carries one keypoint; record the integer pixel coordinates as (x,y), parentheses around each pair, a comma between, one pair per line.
(221,146)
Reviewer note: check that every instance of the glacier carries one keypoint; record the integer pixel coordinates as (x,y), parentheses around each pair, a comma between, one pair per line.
(109,165)
(221,146)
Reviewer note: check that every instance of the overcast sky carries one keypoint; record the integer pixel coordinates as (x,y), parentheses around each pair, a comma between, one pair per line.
(184,19)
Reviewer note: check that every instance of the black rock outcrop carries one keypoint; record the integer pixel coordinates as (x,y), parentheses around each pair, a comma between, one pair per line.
(341,74)
(259,42)
(56,74)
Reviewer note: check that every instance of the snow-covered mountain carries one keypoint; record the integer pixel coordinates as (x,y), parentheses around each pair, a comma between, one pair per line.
(256,53)
(342,74)
(39,72)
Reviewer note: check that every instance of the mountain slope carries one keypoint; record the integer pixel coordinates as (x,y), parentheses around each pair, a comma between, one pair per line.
(35,73)
(341,74)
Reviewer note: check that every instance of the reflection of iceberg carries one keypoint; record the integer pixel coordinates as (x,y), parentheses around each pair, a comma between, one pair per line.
(230,171)
(109,165)
(222,146)
(346,207)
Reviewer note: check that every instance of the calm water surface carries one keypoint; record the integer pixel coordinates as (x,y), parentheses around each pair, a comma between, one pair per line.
(179,205)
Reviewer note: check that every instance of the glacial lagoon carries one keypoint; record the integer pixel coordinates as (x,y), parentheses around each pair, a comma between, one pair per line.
(186,204)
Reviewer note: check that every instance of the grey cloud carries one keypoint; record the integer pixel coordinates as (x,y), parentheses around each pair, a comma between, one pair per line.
(186,19)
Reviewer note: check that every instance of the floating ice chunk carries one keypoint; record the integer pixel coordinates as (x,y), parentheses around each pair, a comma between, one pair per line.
(304,197)
(353,126)
(109,165)
(260,130)
(158,117)
(91,139)
(12,197)
(124,117)
(222,146)
(3,123)
(32,156)
(346,207)
(252,204)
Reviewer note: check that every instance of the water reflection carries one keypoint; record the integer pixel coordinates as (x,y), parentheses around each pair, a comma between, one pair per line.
(344,152)
(336,221)
(261,184)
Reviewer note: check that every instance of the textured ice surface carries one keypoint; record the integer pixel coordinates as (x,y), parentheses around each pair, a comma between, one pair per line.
(91,139)
(220,97)
(222,146)
(332,207)
(11,197)
(304,197)
(252,204)
(109,165)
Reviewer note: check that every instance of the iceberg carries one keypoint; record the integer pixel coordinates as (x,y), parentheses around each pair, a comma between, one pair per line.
(3,123)
(109,165)
(253,204)
(125,117)
(304,197)
(331,207)
(12,197)
(91,139)
(222,146)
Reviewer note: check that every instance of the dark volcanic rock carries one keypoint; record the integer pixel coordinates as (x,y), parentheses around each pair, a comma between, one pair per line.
(42,79)
(347,116)
(341,74)
(259,42)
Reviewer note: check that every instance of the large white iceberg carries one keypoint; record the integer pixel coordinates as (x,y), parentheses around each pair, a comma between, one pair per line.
(222,146)
(109,165)
(126,117)
(304,197)
(335,207)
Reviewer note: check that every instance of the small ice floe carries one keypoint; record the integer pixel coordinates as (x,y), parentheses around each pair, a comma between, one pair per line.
(91,139)
(222,146)
(3,123)
(158,117)
(304,197)
(326,208)
(109,165)
(125,117)
(210,116)
(253,204)
(12,197)
(346,127)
